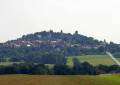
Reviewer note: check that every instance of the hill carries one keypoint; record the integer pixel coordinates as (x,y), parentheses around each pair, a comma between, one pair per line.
(55,38)
(60,40)
(53,47)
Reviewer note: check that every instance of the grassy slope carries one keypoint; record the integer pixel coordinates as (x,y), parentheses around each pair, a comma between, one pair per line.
(93,59)
(59,80)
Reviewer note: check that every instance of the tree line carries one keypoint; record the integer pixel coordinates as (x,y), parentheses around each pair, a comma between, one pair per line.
(63,69)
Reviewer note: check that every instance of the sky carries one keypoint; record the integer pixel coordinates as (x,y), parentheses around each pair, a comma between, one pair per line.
(95,18)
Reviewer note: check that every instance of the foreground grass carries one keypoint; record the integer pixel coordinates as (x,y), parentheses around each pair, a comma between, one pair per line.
(92,59)
(59,80)
(113,78)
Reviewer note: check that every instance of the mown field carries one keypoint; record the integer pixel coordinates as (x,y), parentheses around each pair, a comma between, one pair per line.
(92,59)
(59,80)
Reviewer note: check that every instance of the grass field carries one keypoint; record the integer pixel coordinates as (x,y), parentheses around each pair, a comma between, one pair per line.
(9,63)
(59,80)
(92,59)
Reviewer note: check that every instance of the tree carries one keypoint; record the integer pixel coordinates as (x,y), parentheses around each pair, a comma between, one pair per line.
(83,68)
(88,69)
(102,69)
(77,67)
(40,69)
(62,70)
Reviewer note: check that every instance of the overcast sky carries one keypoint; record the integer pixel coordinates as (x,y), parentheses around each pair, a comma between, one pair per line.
(96,18)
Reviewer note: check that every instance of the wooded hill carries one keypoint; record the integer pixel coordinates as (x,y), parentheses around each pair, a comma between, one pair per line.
(44,46)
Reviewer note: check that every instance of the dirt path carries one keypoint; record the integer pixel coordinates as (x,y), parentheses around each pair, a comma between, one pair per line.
(113,58)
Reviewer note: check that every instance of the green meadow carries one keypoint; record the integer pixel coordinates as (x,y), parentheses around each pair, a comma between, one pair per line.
(92,59)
